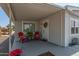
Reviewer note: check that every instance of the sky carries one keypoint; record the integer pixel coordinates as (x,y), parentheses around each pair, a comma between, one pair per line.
(4,19)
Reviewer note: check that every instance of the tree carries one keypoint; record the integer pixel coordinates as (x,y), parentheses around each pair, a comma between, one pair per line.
(12,27)
(0,30)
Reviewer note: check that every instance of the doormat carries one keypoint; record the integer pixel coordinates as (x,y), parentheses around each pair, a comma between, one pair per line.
(46,54)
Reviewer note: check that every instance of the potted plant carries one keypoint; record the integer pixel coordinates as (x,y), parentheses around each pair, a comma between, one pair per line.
(30,35)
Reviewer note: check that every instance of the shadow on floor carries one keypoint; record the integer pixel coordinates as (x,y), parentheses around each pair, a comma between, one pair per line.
(4,47)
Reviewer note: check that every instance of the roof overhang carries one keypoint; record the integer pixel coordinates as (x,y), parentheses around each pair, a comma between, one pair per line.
(73,10)
(32,11)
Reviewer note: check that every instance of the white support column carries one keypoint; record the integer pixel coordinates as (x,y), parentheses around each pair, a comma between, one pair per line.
(11,17)
(10,27)
(22,25)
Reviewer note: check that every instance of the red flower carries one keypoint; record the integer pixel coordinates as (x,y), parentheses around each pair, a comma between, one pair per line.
(16,52)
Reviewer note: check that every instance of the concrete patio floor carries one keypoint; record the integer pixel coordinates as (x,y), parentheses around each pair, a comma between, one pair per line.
(35,48)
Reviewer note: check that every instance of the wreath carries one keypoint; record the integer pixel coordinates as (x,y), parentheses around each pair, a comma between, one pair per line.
(45,24)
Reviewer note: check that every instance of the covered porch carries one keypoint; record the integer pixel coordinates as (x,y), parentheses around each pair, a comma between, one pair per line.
(53,33)
(34,17)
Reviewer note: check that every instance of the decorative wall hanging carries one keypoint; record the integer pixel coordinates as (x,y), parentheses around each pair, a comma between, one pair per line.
(45,25)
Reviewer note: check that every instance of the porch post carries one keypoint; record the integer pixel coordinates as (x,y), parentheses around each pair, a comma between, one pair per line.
(9,28)
(10,34)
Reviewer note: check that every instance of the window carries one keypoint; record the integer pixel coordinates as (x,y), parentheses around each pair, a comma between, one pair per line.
(28,27)
(72,30)
(74,27)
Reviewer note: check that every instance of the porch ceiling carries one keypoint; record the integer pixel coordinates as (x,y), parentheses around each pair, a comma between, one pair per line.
(30,11)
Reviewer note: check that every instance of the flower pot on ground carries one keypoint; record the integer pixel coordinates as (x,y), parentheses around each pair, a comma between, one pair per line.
(16,52)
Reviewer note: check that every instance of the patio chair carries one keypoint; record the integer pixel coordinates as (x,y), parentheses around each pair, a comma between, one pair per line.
(21,34)
(22,37)
(37,35)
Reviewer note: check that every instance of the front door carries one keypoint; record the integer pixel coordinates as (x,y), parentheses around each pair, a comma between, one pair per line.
(45,29)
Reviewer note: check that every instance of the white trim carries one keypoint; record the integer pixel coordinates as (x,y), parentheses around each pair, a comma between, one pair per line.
(57,6)
(22,25)
(61,28)
(70,7)
(69,28)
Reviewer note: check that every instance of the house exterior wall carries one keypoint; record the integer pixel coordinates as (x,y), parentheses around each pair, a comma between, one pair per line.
(54,32)
(67,28)
(76,35)
(68,35)
(56,28)
(18,26)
